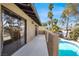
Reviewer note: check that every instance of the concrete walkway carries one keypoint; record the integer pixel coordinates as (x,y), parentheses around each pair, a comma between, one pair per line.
(37,47)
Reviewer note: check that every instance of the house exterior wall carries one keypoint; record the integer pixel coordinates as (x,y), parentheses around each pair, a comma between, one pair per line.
(30,23)
(30,30)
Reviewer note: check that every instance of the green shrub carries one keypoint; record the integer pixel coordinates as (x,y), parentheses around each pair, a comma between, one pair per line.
(55,28)
(74,34)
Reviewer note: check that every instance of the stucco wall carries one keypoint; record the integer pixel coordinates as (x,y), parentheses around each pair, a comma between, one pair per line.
(30,26)
(30,23)
(30,31)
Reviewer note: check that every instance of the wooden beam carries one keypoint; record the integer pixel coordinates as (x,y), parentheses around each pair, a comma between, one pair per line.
(28,11)
(32,15)
(24,4)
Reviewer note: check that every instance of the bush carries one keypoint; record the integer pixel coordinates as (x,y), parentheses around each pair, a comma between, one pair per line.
(74,34)
(55,28)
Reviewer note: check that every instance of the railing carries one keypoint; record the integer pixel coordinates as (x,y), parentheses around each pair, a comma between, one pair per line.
(52,42)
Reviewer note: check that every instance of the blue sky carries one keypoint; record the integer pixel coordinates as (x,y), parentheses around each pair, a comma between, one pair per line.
(42,9)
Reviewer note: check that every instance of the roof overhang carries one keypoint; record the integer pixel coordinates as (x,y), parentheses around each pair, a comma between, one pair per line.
(30,10)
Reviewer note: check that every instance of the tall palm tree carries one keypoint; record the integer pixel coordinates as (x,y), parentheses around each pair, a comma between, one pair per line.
(50,14)
(65,16)
(51,6)
(70,10)
(74,10)
(55,21)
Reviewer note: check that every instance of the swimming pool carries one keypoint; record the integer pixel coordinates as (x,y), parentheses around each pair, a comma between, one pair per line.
(68,48)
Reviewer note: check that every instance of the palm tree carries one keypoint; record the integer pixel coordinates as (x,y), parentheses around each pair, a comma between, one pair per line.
(50,14)
(74,10)
(55,21)
(70,10)
(51,6)
(49,22)
(65,16)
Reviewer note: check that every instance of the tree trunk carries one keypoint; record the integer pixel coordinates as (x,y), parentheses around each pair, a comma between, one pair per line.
(67,27)
(52,22)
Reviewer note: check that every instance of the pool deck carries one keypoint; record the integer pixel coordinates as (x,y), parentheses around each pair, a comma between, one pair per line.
(37,47)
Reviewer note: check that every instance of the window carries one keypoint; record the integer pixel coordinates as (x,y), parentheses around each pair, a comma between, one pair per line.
(13,32)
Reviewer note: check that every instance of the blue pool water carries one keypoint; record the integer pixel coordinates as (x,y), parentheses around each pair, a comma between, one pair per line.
(67,53)
(68,48)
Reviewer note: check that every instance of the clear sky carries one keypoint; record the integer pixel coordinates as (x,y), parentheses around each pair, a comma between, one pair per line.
(42,9)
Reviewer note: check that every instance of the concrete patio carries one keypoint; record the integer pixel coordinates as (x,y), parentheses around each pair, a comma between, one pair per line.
(37,47)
